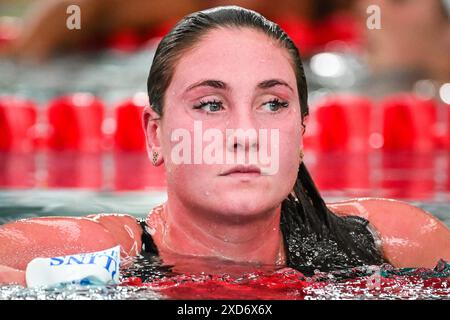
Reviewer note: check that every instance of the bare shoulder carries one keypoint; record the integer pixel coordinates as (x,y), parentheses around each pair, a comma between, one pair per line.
(124,228)
(410,236)
(23,240)
(365,206)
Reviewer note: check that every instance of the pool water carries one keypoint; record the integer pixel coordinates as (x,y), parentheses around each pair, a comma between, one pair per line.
(363,283)
(210,279)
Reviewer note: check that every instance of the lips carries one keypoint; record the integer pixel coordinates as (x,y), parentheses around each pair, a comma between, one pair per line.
(250,170)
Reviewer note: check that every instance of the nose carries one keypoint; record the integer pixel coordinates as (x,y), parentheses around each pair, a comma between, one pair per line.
(242,132)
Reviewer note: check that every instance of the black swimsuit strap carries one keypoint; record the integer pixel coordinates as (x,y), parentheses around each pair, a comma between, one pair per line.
(148,245)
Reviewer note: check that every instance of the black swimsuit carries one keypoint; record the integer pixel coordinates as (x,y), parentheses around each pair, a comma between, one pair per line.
(308,252)
(148,245)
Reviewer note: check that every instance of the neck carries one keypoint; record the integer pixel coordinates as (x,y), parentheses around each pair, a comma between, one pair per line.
(189,232)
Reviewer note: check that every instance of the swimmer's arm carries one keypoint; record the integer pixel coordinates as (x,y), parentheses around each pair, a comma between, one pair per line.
(410,236)
(10,275)
(22,241)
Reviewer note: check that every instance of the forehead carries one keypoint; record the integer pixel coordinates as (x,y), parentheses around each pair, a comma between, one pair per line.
(236,56)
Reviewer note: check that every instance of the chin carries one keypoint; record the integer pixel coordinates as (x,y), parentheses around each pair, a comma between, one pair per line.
(244,204)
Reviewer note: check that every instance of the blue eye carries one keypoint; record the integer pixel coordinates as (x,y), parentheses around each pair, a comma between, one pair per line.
(210,106)
(275,104)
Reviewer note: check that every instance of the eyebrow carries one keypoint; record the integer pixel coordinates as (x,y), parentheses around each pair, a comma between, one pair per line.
(273,83)
(217,84)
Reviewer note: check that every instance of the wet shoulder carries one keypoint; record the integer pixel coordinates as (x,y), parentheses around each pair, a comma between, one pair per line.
(154,220)
(124,228)
(410,236)
(370,207)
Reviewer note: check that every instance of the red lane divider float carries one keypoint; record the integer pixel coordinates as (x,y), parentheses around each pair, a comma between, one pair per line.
(409,123)
(315,36)
(17,139)
(129,134)
(301,33)
(17,124)
(132,167)
(125,40)
(76,123)
(409,128)
(343,123)
(339,124)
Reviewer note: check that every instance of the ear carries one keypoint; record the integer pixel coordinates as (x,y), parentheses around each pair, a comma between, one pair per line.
(152,129)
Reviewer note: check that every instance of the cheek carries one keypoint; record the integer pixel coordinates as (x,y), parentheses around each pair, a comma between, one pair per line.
(290,146)
(179,175)
(184,173)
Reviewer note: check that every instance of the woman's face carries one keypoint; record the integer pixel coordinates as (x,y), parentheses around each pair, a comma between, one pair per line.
(232,79)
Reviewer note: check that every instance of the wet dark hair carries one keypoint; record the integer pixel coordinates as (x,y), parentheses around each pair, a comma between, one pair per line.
(315,238)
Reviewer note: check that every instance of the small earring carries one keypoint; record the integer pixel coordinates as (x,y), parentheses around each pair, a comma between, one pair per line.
(155,157)
(301,154)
